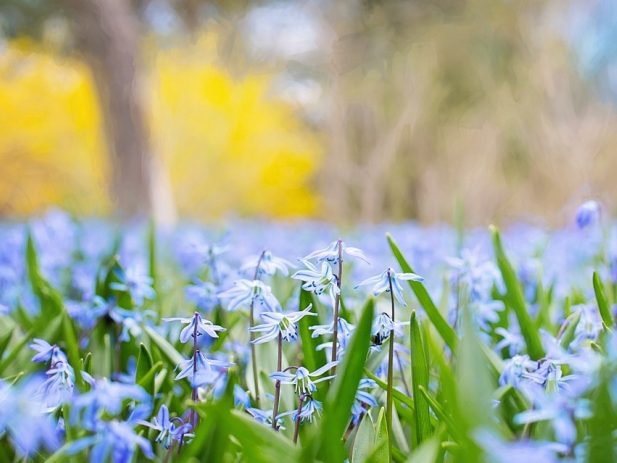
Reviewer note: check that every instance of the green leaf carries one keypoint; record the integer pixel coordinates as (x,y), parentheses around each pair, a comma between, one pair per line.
(426,453)
(570,329)
(364,440)
(260,443)
(396,394)
(72,348)
(603,306)
(441,325)
(601,447)
(14,352)
(144,367)
(420,378)
(312,358)
(516,300)
(342,393)
(164,346)
(4,341)
(440,413)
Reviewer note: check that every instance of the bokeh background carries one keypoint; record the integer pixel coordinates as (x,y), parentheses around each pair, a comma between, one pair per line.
(350,111)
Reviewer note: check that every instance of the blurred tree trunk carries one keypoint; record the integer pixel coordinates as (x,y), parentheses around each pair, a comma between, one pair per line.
(107,33)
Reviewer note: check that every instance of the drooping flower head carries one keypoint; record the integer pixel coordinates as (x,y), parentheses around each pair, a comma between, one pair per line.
(302,379)
(285,324)
(330,253)
(390,279)
(245,292)
(196,325)
(588,214)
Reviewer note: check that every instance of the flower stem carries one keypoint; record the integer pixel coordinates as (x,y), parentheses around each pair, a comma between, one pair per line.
(297,426)
(194,394)
(253,347)
(337,302)
(390,373)
(277,385)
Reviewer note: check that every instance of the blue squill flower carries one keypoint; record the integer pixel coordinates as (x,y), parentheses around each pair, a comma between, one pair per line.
(268,265)
(318,281)
(310,409)
(588,214)
(381,283)
(201,370)
(277,323)
(330,253)
(136,283)
(22,417)
(46,353)
(170,429)
(245,292)
(242,399)
(113,440)
(264,417)
(302,380)
(203,294)
(196,324)
(105,397)
(363,400)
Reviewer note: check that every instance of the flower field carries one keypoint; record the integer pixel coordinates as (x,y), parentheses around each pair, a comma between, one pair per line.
(272,342)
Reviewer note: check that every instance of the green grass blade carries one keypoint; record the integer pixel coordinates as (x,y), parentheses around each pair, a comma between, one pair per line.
(603,306)
(441,325)
(516,300)
(173,356)
(420,378)
(312,359)
(342,393)
(144,365)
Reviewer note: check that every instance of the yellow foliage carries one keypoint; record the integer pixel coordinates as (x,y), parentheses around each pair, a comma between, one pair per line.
(227,144)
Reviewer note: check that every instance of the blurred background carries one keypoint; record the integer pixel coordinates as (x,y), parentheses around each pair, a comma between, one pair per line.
(350,111)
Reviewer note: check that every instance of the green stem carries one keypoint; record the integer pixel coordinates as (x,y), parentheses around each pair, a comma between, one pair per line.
(390,374)
(297,426)
(253,347)
(277,385)
(337,302)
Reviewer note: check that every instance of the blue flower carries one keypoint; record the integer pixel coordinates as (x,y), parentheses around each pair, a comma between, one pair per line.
(381,283)
(202,294)
(105,397)
(22,417)
(201,370)
(242,399)
(46,352)
(136,283)
(245,292)
(277,323)
(198,325)
(267,264)
(301,379)
(588,214)
(330,253)
(264,417)
(168,429)
(310,409)
(363,400)
(113,439)
(316,280)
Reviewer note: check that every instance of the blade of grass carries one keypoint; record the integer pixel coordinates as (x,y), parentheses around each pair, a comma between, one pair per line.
(603,306)
(441,325)
(516,300)
(420,377)
(342,393)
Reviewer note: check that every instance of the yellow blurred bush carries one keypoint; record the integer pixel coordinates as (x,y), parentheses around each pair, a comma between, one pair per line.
(227,144)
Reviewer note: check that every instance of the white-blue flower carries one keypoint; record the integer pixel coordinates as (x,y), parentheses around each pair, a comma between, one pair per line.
(316,280)
(277,323)
(302,380)
(330,253)
(390,279)
(244,292)
(267,264)
(196,324)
